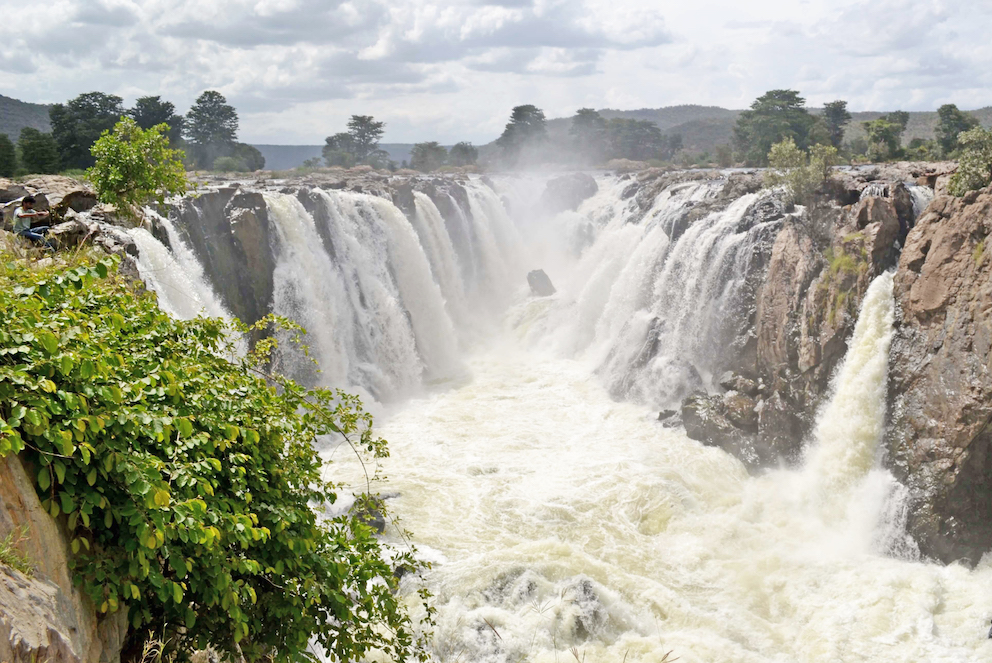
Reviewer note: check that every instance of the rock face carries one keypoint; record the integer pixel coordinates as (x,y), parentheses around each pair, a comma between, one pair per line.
(567,192)
(540,283)
(940,441)
(229,231)
(44,617)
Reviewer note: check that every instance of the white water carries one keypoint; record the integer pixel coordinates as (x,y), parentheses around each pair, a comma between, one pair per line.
(560,517)
(566,519)
(175,276)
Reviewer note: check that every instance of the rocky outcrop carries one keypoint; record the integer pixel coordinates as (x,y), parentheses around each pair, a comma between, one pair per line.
(229,231)
(568,192)
(44,617)
(940,440)
(540,283)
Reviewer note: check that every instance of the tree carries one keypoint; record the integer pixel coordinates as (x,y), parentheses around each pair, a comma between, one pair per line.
(149,112)
(635,139)
(339,150)
(975,165)
(187,479)
(428,157)
(724,156)
(463,154)
(360,145)
(836,116)
(135,166)
(211,127)
(951,123)
(525,128)
(772,118)
(78,124)
(8,157)
(900,118)
(365,134)
(800,173)
(249,156)
(39,151)
(589,134)
(884,137)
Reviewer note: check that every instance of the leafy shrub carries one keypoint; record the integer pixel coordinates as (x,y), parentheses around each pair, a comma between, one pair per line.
(229,165)
(188,481)
(801,173)
(135,165)
(975,166)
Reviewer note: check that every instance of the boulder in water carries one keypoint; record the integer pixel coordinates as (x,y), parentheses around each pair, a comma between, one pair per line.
(540,284)
(567,192)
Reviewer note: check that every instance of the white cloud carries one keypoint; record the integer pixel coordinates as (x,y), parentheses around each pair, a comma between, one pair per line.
(451,70)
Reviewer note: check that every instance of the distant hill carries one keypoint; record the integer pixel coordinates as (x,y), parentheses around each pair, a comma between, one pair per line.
(703,128)
(287,157)
(15,115)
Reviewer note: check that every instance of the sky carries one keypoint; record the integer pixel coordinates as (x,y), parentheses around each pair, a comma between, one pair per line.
(451,71)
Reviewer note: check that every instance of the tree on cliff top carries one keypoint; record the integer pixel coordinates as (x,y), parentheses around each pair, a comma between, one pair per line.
(975,168)
(135,166)
(359,145)
(463,154)
(8,157)
(837,117)
(801,173)
(773,117)
(78,124)
(150,112)
(526,128)
(39,152)
(952,123)
(211,127)
(428,157)
(884,135)
(589,134)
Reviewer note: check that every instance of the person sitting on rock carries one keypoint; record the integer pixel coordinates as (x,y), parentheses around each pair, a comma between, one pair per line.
(23,216)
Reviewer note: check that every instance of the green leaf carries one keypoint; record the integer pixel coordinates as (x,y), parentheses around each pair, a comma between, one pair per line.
(49,341)
(59,470)
(44,478)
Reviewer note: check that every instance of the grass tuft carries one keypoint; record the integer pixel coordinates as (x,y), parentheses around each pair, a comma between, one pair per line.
(11,556)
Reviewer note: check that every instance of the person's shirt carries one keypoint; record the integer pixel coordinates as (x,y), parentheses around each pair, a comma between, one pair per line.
(22,222)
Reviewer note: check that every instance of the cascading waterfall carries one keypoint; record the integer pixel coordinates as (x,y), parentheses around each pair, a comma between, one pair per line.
(559,518)
(175,275)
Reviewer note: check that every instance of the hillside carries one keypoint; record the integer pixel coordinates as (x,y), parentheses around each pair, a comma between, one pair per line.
(15,115)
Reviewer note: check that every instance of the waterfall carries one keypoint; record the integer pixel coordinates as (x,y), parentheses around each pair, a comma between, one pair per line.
(922,197)
(175,276)
(875,190)
(850,427)
(657,305)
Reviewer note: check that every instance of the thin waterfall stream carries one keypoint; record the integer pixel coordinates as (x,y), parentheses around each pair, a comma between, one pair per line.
(562,519)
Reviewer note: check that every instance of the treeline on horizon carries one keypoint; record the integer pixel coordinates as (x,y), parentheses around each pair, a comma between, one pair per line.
(207,134)
(593,140)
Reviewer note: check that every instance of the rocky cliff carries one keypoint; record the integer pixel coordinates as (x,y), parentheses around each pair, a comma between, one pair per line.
(43,617)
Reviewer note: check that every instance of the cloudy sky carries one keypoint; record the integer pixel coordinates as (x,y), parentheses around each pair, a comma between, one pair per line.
(450,71)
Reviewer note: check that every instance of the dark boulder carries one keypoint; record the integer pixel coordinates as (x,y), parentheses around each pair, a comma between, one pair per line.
(540,284)
(568,192)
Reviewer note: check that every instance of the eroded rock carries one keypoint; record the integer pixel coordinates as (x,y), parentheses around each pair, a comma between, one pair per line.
(540,283)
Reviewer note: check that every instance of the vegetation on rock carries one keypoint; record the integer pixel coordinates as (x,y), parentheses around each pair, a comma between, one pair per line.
(801,173)
(359,145)
(8,157)
(975,169)
(187,478)
(775,116)
(428,157)
(951,124)
(134,166)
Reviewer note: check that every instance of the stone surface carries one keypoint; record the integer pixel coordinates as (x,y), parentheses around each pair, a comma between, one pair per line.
(540,283)
(44,617)
(568,192)
(940,441)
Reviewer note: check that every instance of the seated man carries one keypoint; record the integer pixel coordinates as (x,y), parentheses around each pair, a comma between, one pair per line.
(23,216)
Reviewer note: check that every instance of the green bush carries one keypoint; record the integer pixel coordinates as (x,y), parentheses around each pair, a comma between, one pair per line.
(229,165)
(801,173)
(975,165)
(135,165)
(188,479)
